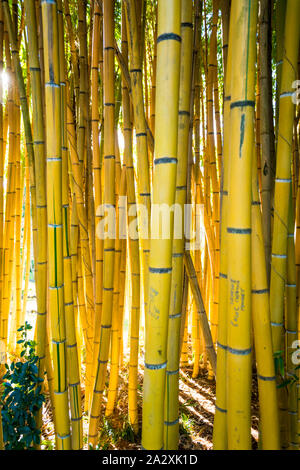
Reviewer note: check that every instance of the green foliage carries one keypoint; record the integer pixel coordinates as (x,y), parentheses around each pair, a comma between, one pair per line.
(279,369)
(110,436)
(21,397)
(48,445)
(186,425)
(279,363)
(118,15)
(127,432)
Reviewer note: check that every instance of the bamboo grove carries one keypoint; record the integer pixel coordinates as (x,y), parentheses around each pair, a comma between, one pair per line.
(149,175)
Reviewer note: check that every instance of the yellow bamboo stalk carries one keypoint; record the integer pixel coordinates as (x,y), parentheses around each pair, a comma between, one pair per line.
(213,171)
(3,132)
(282,192)
(73,49)
(220,420)
(74,233)
(133,244)
(71,343)
(153,82)
(55,220)
(26,244)
(165,166)
(266,116)
(239,225)
(291,332)
(143,177)
(25,113)
(109,205)
(122,300)
(280,17)
(115,344)
(9,210)
(171,432)
(269,419)
(201,312)
(97,173)
(49,372)
(88,289)
(184,357)
(18,212)
(41,203)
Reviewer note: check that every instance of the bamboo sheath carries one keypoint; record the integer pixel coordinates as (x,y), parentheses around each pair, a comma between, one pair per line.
(160,266)
(55,220)
(239,226)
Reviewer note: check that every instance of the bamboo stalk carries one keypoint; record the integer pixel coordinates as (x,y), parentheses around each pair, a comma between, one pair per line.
(109,205)
(282,193)
(160,265)
(55,221)
(239,225)
(172,375)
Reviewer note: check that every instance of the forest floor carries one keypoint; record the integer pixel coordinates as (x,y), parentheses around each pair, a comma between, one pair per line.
(197,408)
